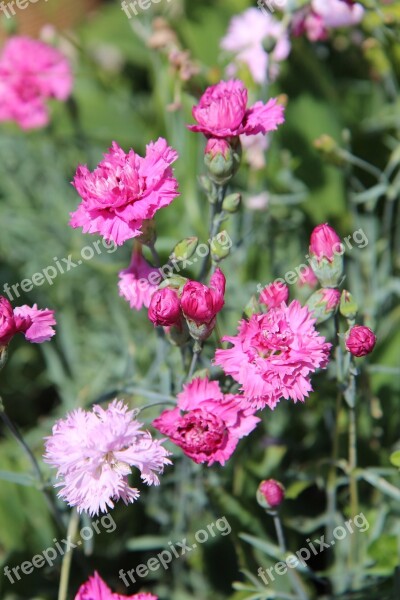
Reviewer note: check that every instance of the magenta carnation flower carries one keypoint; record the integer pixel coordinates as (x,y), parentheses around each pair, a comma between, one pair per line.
(96,589)
(33,323)
(211,423)
(222,112)
(94,452)
(31,72)
(124,191)
(135,282)
(274,355)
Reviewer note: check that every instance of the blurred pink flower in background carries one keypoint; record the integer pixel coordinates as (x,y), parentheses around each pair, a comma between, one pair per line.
(246,34)
(134,284)
(96,589)
(211,425)
(274,355)
(320,16)
(254,148)
(257,202)
(124,190)
(35,324)
(31,72)
(222,112)
(94,452)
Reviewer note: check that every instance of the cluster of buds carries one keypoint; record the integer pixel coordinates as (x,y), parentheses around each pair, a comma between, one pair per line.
(188,306)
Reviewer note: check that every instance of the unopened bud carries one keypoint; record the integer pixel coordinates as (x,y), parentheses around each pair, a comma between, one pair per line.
(323,303)
(222,159)
(270,494)
(219,250)
(348,306)
(175,282)
(231,203)
(184,249)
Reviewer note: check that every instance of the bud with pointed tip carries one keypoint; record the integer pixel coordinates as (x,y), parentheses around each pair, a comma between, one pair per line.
(184,249)
(323,303)
(231,203)
(326,255)
(348,306)
(222,159)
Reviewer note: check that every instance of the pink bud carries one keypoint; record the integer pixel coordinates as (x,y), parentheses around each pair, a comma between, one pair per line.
(271,493)
(360,340)
(217,146)
(7,322)
(324,242)
(201,303)
(274,294)
(164,308)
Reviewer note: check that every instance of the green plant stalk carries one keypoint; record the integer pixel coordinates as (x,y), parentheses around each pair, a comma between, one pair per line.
(67,559)
(216,217)
(295,580)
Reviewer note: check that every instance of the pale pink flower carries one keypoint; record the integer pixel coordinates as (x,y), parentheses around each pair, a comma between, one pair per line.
(124,190)
(222,112)
(134,283)
(257,202)
(274,355)
(31,72)
(245,37)
(33,323)
(338,13)
(207,424)
(94,452)
(254,148)
(274,294)
(360,340)
(96,589)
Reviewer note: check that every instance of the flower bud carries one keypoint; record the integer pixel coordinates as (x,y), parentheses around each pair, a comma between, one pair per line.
(184,249)
(231,203)
(348,306)
(165,308)
(8,326)
(221,159)
(175,282)
(274,294)
(270,493)
(360,340)
(219,250)
(326,252)
(323,303)
(200,305)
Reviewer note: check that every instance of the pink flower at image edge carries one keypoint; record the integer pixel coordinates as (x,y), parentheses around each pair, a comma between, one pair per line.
(96,589)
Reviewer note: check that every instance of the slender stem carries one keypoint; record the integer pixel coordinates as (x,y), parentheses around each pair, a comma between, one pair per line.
(67,560)
(155,256)
(216,216)
(296,582)
(195,357)
(20,440)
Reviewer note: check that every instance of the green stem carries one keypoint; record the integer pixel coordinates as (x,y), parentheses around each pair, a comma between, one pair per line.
(216,217)
(196,353)
(67,560)
(296,582)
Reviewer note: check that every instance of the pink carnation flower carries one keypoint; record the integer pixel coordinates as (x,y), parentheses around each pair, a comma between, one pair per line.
(200,303)
(94,452)
(222,112)
(245,37)
(211,424)
(274,355)
(124,190)
(322,15)
(274,294)
(135,282)
(33,323)
(96,589)
(31,72)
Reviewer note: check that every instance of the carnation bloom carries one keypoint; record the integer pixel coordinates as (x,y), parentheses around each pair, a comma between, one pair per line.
(360,340)
(31,72)
(222,112)
(211,424)
(33,323)
(274,355)
(201,303)
(274,294)
(321,15)
(124,191)
(94,452)
(96,589)
(135,282)
(165,308)
(246,34)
